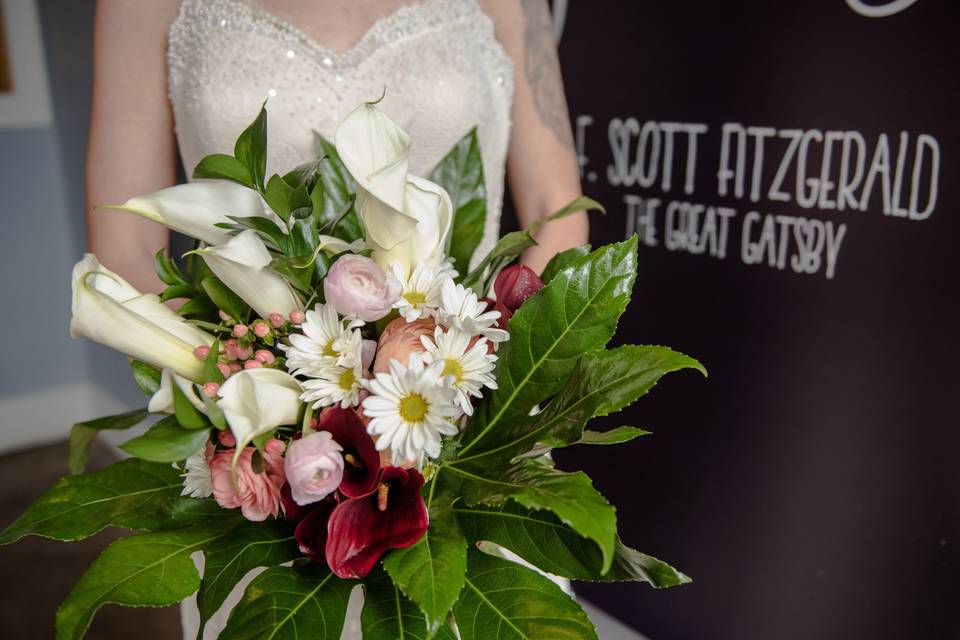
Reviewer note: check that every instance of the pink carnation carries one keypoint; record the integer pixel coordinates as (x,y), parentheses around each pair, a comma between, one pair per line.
(257,494)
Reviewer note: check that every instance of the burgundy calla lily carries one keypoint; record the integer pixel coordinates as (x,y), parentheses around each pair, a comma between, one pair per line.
(361,530)
(514,285)
(361,461)
(311,532)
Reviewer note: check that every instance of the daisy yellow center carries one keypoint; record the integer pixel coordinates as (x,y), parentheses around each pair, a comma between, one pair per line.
(347,380)
(452,367)
(328,349)
(415,297)
(413,408)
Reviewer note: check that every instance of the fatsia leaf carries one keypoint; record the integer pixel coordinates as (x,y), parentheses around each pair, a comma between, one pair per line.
(460,172)
(431,572)
(563,260)
(167,441)
(576,313)
(602,382)
(131,493)
(291,603)
(152,569)
(83,433)
(506,601)
(571,496)
(223,167)
(247,546)
(613,436)
(387,613)
(543,540)
(251,148)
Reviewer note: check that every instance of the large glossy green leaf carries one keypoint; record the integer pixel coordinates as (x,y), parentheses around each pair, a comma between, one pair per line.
(602,382)
(618,435)
(291,603)
(576,313)
(546,542)
(167,441)
(131,493)
(460,172)
(563,260)
(83,433)
(431,572)
(505,601)
(387,613)
(251,148)
(152,569)
(571,496)
(247,546)
(338,188)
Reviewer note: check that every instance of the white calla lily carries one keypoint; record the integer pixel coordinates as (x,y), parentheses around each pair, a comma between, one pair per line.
(162,399)
(407,219)
(195,207)
(108,310)
(257,401)
(241,263)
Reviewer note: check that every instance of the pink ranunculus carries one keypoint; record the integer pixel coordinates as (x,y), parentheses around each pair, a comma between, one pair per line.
(314,467)
(357,286)
(399,339)
(256,494)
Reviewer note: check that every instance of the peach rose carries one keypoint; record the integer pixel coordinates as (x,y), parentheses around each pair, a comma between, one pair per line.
(399,339)
(257,494)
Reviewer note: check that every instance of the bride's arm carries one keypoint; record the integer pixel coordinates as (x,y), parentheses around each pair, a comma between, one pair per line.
(541,165)
(131,149)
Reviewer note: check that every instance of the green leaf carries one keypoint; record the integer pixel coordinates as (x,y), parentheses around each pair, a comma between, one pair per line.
(177,291)
(602,382)
(291,603)
(543,540)
(431,572)
(251,148)
(167,270)
(387,613)
(167,441)
(284,198)
(226,299)
(220,166)
(581,203)
(186,414)
(576,313)
(563,260)
(146,376)
(507,248)
(570,496)
(83,433)
(338,188)
(153,570)
(131,493)
(506,601)
(267,228)
(460,172)
(613,436)
(199,307)
(210,371)
(246,547)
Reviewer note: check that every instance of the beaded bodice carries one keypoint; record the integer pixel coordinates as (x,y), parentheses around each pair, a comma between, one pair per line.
(443,70)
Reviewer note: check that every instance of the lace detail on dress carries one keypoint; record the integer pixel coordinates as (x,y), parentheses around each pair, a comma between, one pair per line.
(439,60)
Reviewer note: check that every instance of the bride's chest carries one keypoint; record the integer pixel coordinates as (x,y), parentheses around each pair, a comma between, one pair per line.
(438,61)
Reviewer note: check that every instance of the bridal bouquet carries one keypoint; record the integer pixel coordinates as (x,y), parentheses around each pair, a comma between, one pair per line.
(350,397)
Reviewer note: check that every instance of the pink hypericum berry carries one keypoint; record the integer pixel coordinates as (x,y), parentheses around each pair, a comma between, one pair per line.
(265,356)
(252,364)
(232,351)
(276,320)
(210,389)
(234,367)
(226,439)
(260,329)
(202,352)
(224,369)
(240,330)
(224,316)
(297,317)
(244,353)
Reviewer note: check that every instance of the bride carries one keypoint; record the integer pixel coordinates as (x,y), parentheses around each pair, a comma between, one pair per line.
(183,78)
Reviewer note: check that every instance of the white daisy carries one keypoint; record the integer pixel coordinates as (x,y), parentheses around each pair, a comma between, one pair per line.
(462,310)
(327,339)
(197,481)
(334,384)
(410,408)
(471,367)
(421,291)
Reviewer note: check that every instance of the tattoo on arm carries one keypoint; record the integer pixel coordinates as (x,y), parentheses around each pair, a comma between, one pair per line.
(542,69)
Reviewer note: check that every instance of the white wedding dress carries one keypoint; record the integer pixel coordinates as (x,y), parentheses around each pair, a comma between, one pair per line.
(443,70)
